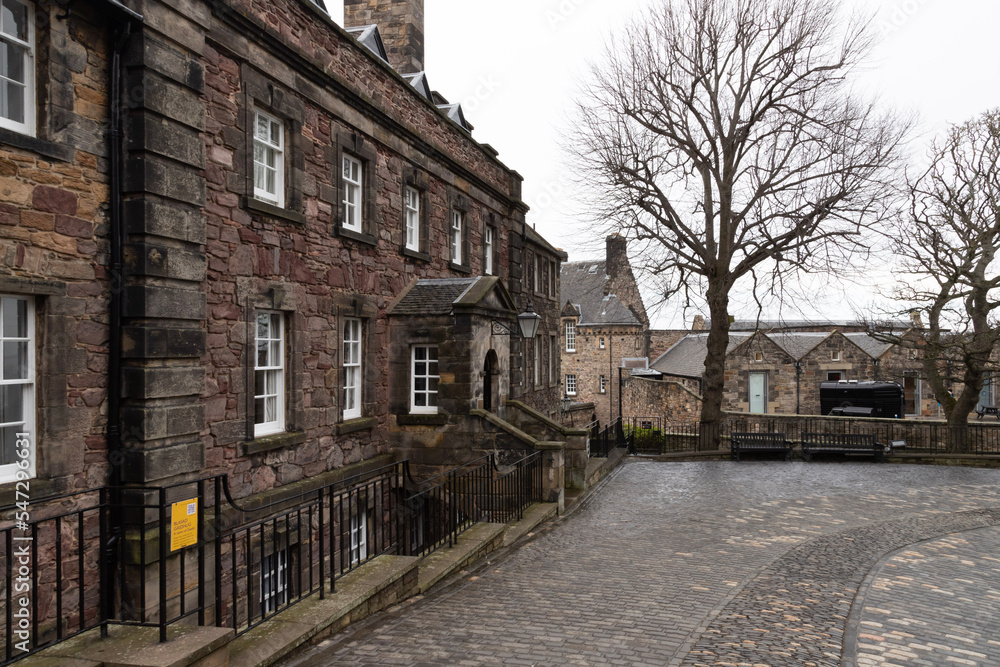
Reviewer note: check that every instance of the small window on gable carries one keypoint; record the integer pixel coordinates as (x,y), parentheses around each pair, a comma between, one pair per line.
(835,356)
(17,66)
(757,356)
(268,159)
(353,183)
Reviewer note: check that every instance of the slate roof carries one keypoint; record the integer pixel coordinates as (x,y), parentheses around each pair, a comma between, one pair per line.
(419,81)
(874,347)
(798,345)
(687,357)
(583,285)
(433,297)
(538,239)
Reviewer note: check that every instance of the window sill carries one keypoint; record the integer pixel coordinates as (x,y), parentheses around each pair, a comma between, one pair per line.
(407,252)
(49,149)
(460,268)
(422,420)
(40,488)
(274,211)
(356,425)
(356,236)
(269,443)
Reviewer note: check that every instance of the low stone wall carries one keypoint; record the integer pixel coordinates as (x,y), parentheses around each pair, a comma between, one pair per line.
(642,397)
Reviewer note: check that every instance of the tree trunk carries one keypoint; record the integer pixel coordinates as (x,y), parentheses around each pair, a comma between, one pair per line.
(712,419)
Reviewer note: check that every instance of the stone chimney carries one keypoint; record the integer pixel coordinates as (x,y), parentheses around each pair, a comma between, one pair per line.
(916,319)
(617,257)
(401,24)
(699,323)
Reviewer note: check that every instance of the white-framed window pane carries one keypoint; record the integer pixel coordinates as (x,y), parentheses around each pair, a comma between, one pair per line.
(16,66)
(359,538)
(274,581)
(352,179)
(425,379)
(352,368)
(268,158)
(571,385)
(412,218)
(570,337)
(488,252)
(456,237)
(269,373)
(604,384)
(17,387)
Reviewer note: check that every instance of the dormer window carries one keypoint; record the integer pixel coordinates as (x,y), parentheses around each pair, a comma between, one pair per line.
(322,6)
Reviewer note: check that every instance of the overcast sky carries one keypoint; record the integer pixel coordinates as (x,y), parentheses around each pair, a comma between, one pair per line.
(517,65)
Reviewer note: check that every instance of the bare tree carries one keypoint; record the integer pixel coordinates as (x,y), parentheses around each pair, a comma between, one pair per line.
(947,247)
(724,137)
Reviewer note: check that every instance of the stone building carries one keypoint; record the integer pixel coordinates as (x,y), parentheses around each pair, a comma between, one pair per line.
(604,328)
(241,239)
(779,370)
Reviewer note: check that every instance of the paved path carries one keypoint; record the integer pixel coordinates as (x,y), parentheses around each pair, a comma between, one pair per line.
(717,563)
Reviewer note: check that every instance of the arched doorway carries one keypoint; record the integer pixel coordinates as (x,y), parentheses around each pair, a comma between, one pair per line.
(491,381)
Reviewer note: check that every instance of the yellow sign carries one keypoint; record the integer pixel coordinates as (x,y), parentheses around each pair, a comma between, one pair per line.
(183,524)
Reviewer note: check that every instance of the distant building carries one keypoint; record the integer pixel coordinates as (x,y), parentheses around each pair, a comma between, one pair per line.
(604,328)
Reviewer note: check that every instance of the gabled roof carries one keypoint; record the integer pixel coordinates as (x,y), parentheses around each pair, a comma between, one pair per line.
(419,81)
(443,296)
(371,38)
(583,284)
(798,344)
(454,111)
(687,357)
(538,239)
(874,347)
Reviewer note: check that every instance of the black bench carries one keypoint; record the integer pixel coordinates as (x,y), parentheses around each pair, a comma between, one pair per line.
(984,410)
(757,443)
(840,443)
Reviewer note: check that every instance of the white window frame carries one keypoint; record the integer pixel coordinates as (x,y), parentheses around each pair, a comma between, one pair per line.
(571,385)
(427,392)
(571,336)
(601,343)
(835,356)
(26,126)
(274,570)
(25,436)
(457,224)
(267,144)
(538,361)
(488,251)
(603,384)
(353,193)
(411,206)
(273,368)
(353,378)
(358,538)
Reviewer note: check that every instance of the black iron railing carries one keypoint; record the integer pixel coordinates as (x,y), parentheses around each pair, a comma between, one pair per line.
(661,435)
(54,569)
(190,551)
(604,441)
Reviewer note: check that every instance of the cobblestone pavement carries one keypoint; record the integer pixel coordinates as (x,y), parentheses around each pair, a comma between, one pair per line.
(710,563)
(936,603)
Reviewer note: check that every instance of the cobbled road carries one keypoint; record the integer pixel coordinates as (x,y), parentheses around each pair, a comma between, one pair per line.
(725,564)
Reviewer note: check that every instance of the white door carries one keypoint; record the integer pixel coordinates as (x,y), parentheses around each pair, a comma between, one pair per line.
(758,393)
